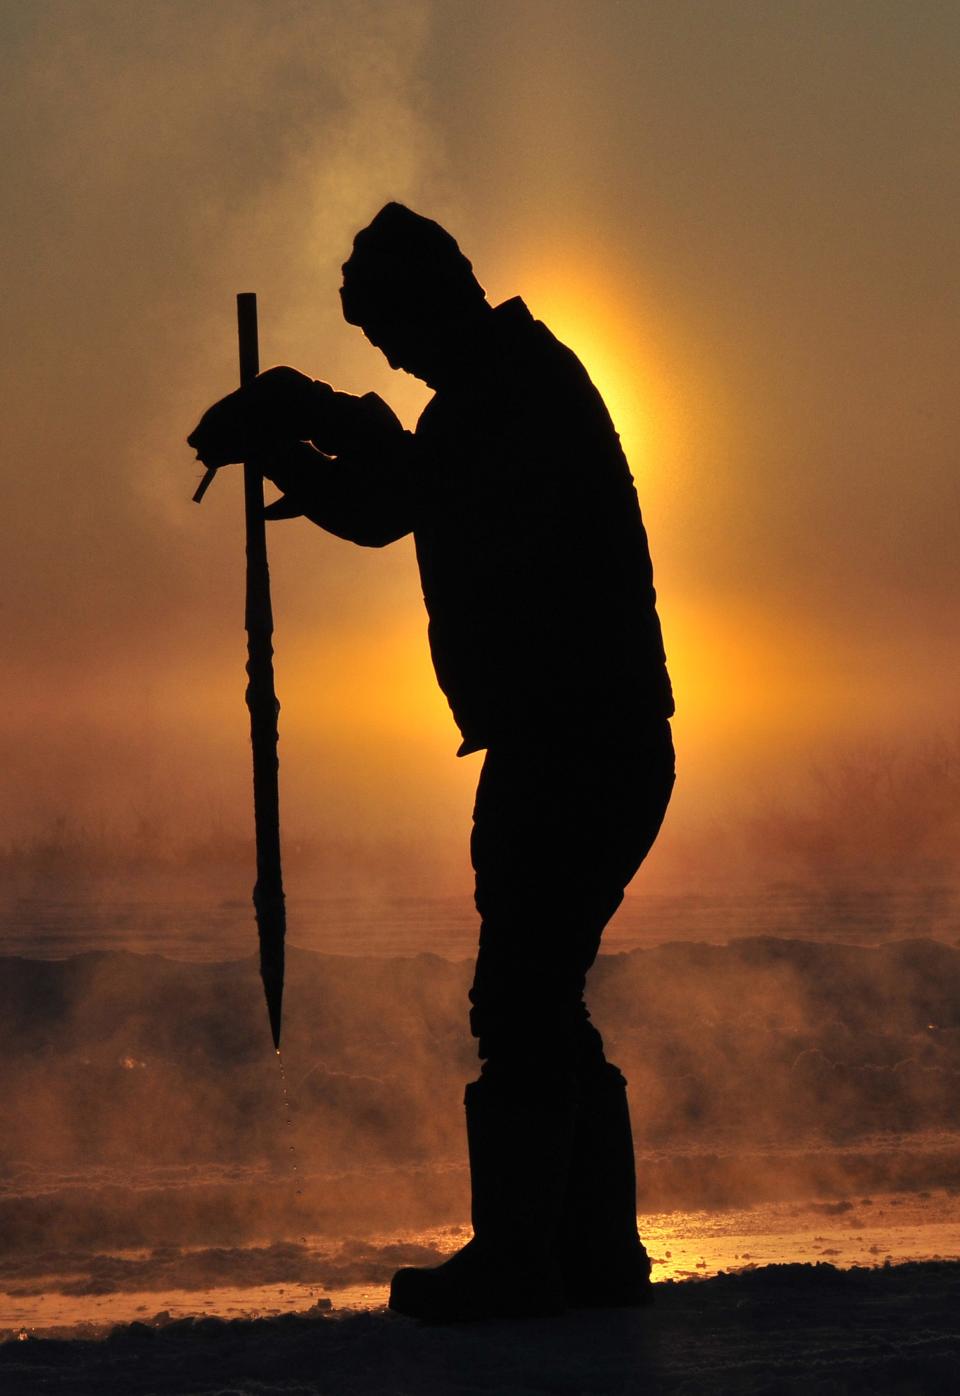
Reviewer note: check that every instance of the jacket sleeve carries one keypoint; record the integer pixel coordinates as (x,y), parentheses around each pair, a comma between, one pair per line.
(357,479)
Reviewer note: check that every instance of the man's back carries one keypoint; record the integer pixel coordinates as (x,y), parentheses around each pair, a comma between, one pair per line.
(533,557)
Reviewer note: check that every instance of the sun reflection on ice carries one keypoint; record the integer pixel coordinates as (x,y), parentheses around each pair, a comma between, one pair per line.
(692,1245)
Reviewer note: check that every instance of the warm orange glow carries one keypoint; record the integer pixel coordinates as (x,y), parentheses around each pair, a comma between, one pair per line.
(574,303)
(739,666)
(597,310)
(737,217)
(376,683)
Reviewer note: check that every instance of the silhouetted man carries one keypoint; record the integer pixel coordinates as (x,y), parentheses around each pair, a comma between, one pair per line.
(545,639)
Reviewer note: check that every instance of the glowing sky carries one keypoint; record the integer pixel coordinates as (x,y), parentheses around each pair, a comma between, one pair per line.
(742,215)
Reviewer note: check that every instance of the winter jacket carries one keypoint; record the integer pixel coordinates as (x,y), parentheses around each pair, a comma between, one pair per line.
(533,556)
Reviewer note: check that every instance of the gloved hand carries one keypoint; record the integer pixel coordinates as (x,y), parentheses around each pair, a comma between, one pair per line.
(292,469)
(277,407)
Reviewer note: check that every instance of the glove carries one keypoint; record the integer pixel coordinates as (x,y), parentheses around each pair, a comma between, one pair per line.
(276,408)
(292,469)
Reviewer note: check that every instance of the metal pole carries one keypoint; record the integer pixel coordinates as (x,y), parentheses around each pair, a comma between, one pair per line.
(262,703)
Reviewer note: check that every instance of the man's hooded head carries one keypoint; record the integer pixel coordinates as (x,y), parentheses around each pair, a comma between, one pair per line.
(409,288)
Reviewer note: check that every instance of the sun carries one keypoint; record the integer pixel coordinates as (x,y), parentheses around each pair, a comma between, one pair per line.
(585,314)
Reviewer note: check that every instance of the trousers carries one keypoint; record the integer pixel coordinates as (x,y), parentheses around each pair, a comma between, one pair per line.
(559,829)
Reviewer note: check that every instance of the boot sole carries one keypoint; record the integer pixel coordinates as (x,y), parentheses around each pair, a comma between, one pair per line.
(631,1297)
(432,1298)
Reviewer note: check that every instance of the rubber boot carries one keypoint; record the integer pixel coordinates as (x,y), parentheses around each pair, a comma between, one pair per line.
(604,1262)
(519,1147)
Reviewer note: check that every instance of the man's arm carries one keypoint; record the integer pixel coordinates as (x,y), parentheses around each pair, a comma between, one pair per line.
(358,483)
(367,498)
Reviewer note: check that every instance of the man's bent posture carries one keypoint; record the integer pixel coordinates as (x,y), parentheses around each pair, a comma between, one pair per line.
(545,639)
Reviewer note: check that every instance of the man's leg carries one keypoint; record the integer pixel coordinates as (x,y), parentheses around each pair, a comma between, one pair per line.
(557,836)
(553,847)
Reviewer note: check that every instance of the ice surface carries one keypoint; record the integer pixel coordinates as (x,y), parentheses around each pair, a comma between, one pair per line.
(786,1329)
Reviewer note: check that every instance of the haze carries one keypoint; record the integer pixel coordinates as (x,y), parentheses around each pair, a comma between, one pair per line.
(741,216)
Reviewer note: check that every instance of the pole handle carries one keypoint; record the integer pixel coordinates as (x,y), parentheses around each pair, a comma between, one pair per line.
(247,336)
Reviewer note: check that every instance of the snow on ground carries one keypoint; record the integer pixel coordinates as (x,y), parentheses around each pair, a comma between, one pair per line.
(789,1330)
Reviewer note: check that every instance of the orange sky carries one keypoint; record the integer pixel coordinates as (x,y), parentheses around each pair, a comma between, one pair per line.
(743,218)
